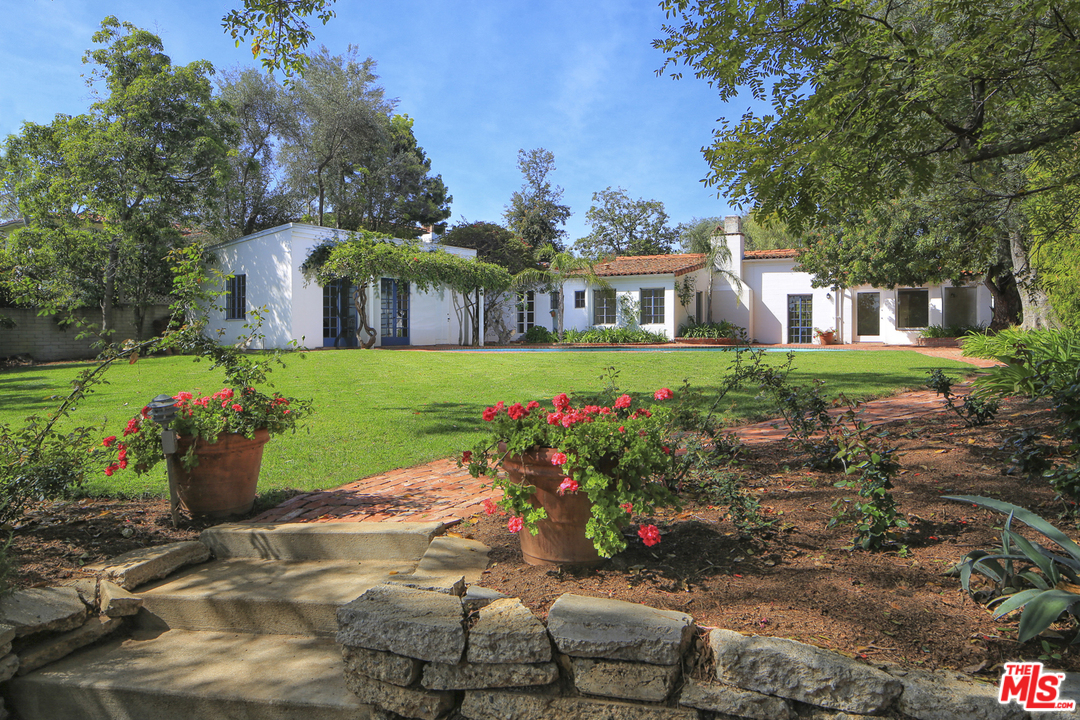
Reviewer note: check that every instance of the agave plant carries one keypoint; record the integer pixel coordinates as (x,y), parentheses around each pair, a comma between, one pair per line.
(1041,582)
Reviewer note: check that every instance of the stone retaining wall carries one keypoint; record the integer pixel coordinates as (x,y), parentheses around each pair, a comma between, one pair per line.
(45,340)
(428,655)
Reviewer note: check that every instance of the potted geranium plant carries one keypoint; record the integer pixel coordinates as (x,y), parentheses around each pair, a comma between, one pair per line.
(219,443)
(575,476)
(824,336)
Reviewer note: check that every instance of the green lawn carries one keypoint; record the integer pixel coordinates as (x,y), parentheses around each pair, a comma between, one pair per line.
(378,410)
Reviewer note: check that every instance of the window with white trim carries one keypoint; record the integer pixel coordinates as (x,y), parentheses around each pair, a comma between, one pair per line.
(912,309)
(604,312)
(652,306)
(236,297)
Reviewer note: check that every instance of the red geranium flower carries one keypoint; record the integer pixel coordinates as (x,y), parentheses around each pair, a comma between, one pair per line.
(649,535)
(561,401)
(515,524)
(516,411)
(623,402)
(568,485)
(107,442)
(662,394)
(489,506)
(466,456)
(558,459)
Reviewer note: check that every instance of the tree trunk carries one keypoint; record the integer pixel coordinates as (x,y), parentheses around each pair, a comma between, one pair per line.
(562,312)
(110,287)
(708,298)
(476,319)
(360,300)
(1006,300)
(1033,300)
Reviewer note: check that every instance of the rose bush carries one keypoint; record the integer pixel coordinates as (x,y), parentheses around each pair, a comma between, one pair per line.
(618,455)
(226,411)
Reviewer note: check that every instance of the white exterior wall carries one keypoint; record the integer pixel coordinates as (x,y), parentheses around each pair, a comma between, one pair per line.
(271,261)
(893,335)
(773,281)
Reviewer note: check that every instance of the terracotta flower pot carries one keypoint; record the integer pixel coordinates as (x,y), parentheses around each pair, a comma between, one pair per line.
(223,484)
(560,539)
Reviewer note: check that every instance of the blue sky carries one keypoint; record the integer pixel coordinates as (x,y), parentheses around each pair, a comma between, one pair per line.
(481,79)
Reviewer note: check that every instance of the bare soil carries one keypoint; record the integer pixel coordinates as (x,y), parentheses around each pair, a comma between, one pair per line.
(799,580)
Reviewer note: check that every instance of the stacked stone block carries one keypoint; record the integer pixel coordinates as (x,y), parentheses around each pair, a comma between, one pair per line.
(430,655)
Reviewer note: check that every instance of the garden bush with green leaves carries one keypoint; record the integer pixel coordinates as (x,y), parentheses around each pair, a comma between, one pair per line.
(974,410)
(717,330)
(613,335)
(950,331)
(1027,576)
(1038,364)
(875,513)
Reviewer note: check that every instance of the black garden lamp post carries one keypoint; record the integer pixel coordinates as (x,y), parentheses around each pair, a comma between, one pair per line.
(162,412)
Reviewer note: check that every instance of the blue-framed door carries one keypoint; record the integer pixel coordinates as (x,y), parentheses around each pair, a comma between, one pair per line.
(394,305)
(339,315)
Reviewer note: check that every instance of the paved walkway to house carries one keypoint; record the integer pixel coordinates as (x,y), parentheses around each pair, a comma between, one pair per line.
(441,491)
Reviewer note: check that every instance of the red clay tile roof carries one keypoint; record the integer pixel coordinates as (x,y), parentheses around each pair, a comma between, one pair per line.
(652,265)
(770,254)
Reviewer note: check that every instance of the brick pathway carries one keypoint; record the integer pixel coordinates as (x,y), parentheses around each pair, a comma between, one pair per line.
(440,491)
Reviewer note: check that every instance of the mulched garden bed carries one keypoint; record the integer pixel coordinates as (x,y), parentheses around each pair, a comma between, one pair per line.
(799,580)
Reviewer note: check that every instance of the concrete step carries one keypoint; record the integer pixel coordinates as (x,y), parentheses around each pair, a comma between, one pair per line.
(321,541)
(180,675)
(262,596)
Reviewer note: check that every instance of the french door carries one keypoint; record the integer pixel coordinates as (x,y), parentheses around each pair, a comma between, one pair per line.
(394,307)
(800,318)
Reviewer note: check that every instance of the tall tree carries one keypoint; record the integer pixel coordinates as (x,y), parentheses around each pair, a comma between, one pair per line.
(342,112)
(706,236)
(768,233)
(621,226)
(873,100)
(277,30)
(255,194)
(387,186)
(915,241)
(536,213)
(147,155)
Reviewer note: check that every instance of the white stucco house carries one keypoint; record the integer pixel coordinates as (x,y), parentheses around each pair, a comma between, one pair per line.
(776,304)
(265,270)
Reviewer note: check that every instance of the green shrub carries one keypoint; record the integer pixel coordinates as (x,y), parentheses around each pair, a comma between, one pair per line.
(39,463)
(974,411)
(1037,362)
(940,331)
(722,329)
(875,462)
(1026,575)
(539,334)
(803,408)
(613,335)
